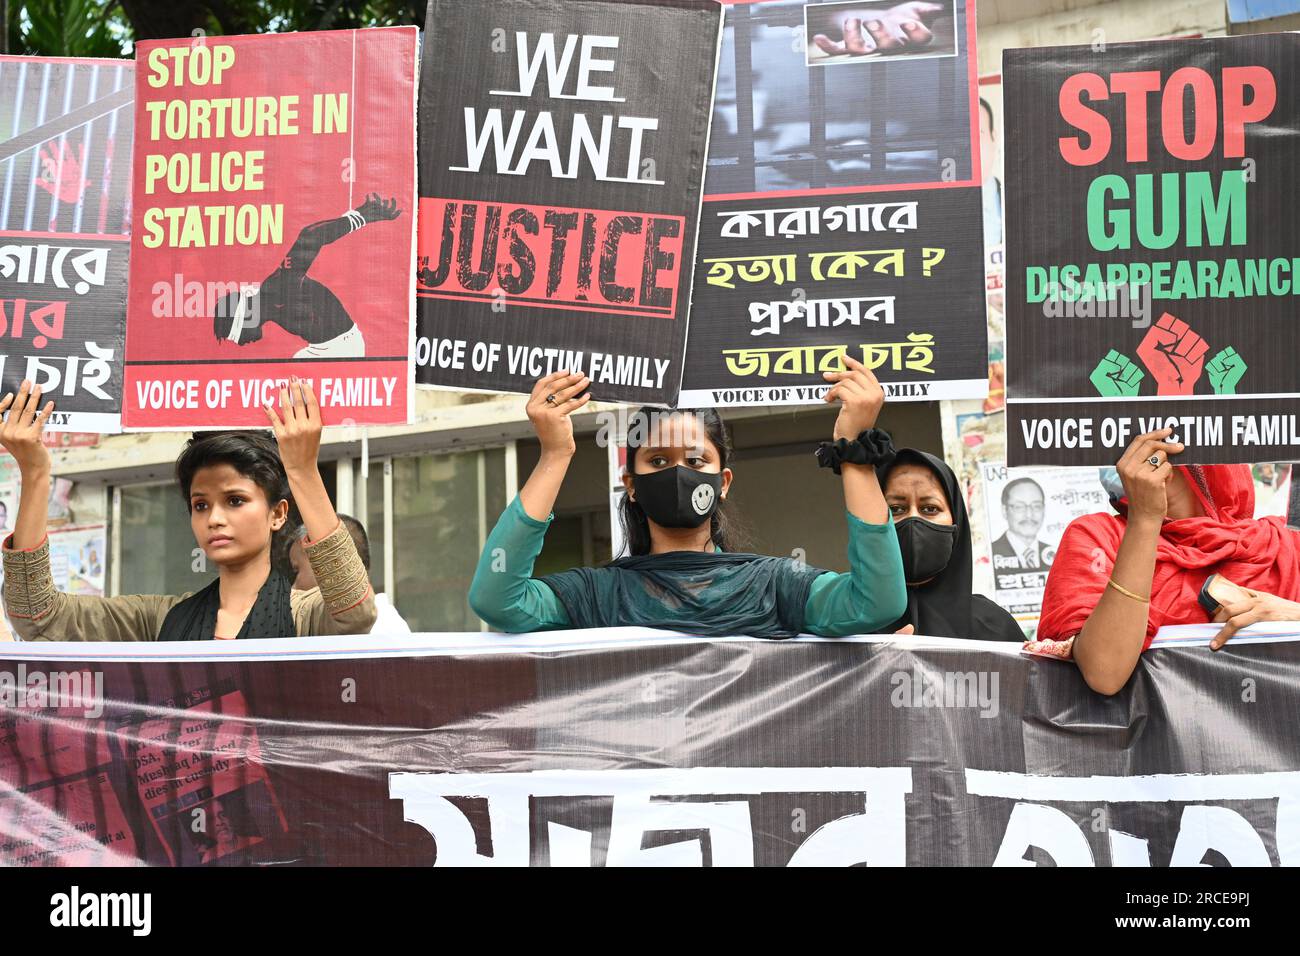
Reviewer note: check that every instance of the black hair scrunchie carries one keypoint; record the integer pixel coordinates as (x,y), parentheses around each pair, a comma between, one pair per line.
(869,448)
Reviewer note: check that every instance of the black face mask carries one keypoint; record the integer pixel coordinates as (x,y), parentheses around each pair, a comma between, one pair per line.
(678,497)
(926,546)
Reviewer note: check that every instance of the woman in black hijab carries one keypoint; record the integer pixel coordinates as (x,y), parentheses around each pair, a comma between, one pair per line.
(934,535)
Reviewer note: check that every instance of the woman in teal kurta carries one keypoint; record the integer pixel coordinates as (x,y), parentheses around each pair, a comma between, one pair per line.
(684,571)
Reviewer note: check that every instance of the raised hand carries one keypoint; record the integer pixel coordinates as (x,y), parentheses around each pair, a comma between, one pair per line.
(1116,376)
(1145,483)
(20,434)
(1225,371)
(551,418)
(298,431)
(860,397)
(900,28)
(375,209)
(1173,354)
(61,173)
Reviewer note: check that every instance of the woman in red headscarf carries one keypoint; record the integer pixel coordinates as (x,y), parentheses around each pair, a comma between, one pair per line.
(1118,578)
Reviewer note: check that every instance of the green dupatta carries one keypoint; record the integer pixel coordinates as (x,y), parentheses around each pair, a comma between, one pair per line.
(713,595)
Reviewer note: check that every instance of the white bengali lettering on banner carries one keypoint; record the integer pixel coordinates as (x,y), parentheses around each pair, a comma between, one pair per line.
(791,223)
(40,263)
(873,836)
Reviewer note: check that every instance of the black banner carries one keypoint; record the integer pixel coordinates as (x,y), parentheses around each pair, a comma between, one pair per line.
(561,163)
(841,216)
(1152,254)
(65,181)
(632,747)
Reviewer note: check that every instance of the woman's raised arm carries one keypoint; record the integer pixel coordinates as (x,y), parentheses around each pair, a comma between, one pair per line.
(861,398)
(1112,639)
(38,610)
(21,436)
(298,436)
(347,601)
(873,594)
(503,592)
(553,400)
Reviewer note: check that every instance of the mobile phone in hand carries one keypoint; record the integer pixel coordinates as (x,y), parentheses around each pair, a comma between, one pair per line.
(1215,592)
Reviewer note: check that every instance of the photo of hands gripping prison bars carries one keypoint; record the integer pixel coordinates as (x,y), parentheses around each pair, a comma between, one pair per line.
(853,32)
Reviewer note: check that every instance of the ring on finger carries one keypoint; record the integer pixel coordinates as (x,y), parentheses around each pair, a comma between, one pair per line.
(1154,460)
(550,399)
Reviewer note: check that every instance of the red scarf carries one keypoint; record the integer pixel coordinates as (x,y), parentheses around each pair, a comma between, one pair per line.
(1263,554)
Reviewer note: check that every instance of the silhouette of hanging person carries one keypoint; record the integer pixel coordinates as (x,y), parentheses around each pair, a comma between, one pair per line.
(298,303)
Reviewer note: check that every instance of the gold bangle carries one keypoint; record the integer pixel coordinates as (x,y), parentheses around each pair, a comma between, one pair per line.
(1126,592)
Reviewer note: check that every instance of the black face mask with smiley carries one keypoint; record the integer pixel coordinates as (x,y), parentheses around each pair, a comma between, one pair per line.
(678,497)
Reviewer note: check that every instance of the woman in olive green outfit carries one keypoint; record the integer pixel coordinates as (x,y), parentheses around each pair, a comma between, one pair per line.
(237,486)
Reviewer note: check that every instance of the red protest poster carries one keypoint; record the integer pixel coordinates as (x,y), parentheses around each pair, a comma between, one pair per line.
(272,227)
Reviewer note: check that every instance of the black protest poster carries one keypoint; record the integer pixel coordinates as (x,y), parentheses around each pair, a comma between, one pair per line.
(561,158)
(1152,254)
(65,182)
(842,207)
